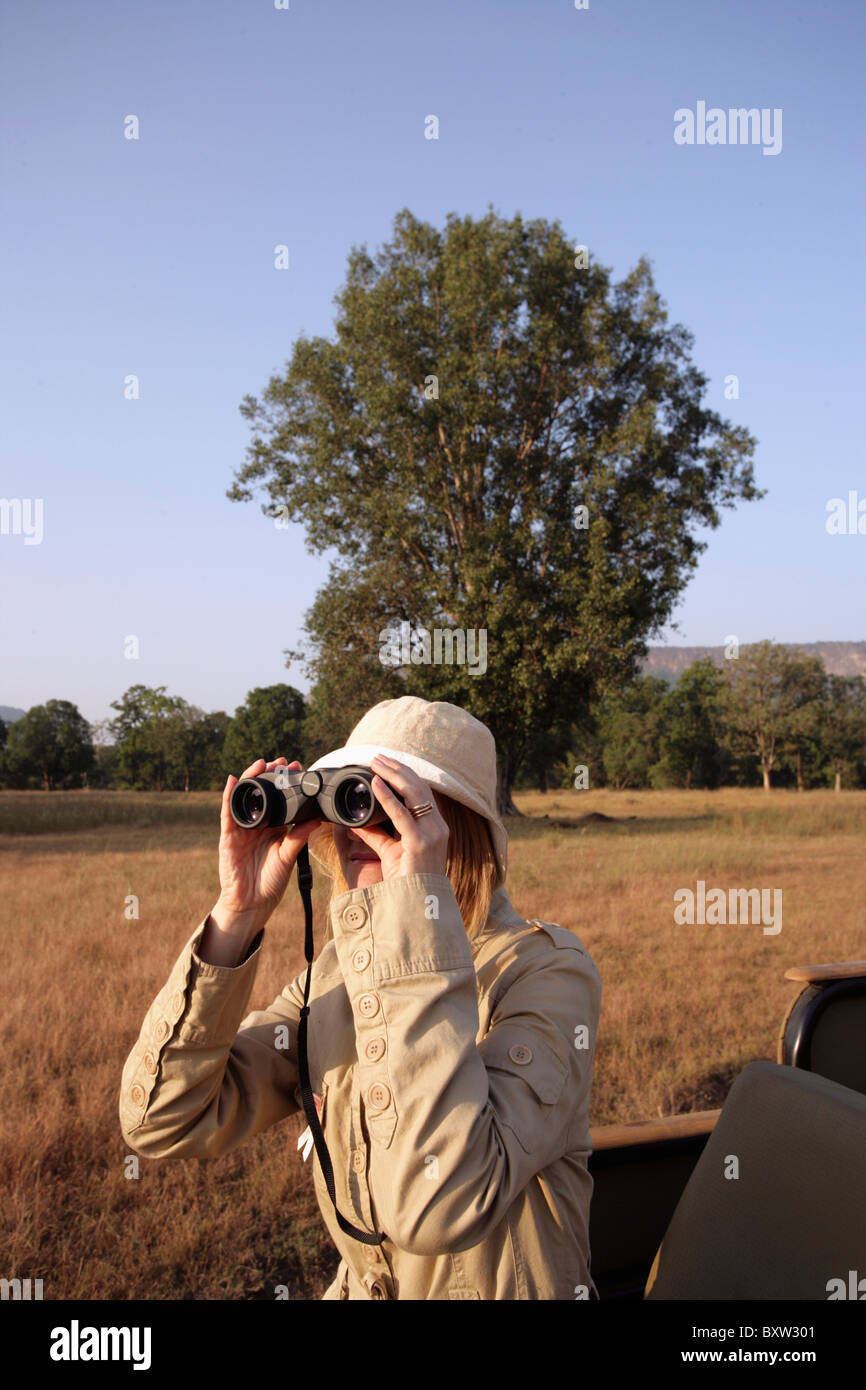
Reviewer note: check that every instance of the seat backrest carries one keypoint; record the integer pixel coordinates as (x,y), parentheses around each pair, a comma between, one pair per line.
(776,1205)
(825,1031)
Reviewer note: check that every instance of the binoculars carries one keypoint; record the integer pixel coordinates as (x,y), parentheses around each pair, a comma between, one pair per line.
(343,795)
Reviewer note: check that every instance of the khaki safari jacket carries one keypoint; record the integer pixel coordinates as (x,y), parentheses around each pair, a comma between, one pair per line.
(454,1076)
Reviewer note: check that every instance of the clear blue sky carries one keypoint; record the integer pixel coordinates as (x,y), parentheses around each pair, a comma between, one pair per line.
(306,127)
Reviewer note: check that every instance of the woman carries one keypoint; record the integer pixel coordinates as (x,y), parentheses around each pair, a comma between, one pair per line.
(450,1041)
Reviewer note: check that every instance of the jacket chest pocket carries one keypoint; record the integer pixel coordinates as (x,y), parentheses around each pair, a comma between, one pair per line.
(526,1079)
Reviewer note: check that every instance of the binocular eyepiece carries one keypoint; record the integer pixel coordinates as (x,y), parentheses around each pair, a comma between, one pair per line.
(343,795)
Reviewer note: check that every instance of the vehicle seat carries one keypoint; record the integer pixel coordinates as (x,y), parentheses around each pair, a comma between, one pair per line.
(795,1216)
(825,1028)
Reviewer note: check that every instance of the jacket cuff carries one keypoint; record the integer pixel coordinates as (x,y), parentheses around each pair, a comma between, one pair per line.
(410,925)
(216,995)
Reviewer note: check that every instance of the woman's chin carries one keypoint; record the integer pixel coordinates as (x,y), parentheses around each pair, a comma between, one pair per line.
(363,873)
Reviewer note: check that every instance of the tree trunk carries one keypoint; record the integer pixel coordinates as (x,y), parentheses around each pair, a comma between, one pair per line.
(766,771)
(689,780)
(799,770)
(186,779)
(838,786)
(506,772)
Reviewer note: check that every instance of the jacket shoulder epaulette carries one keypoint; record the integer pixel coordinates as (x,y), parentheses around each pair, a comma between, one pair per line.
(560,936)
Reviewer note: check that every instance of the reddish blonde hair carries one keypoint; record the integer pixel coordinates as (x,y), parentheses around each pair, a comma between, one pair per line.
(470,860)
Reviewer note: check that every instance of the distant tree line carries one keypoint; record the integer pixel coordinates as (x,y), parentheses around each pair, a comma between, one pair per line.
(771,717)
(156,742)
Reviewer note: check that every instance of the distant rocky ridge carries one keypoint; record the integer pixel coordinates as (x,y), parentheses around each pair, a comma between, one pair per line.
(839,658)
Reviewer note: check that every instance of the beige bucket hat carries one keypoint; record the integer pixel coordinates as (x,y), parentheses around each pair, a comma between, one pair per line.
(452,750)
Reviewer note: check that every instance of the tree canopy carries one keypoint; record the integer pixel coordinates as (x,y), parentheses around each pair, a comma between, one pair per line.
(498,438)
(268,725)
(162,741)
(50,746)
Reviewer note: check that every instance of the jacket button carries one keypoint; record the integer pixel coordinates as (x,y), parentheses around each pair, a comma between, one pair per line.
(368,1005)
(375,1049)
(160,1032)
(358,1160)
(354,915)
(361,959)
(520,1054)
(177,1002)
(137,1094)
(150,1063)
(379,1096)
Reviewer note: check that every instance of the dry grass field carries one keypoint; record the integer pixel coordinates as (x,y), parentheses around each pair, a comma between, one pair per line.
(684,1008)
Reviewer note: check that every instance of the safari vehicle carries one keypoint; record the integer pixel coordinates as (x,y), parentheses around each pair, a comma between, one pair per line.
(764,1198)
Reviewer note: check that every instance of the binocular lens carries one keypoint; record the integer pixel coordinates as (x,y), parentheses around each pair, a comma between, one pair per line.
(250,804)
(354,801)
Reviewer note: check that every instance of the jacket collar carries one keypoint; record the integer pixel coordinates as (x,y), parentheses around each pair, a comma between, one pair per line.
(501,917)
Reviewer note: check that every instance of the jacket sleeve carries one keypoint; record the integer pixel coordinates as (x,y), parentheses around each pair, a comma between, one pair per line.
(457,1128)
(198,1081)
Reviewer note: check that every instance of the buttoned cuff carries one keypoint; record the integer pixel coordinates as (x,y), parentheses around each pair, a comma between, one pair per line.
(415,923)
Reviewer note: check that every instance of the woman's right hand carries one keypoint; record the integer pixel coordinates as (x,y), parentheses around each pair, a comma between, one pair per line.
(254,870)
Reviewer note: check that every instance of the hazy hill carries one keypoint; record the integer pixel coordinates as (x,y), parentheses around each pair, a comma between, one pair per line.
(839,658)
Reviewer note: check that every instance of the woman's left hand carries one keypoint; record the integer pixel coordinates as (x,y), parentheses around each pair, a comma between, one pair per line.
(423,843)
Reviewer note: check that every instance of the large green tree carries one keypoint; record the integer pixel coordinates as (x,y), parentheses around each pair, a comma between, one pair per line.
(768,704)
(805,679)
(49,745)
(196,758)
(162,741)
(843,727)
(690,753)
(499,439)
(629,728)
(148,736)
(269,724)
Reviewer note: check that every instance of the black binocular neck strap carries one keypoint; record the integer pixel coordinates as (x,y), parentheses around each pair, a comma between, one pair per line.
(305,883)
